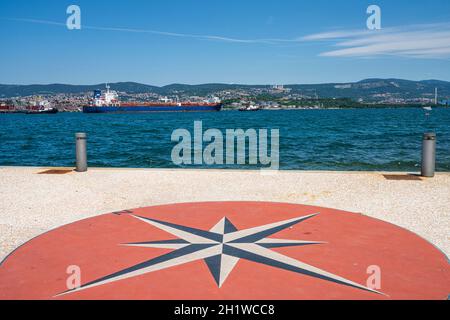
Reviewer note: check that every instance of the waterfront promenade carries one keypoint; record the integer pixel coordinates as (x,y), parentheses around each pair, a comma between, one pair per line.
(34,203)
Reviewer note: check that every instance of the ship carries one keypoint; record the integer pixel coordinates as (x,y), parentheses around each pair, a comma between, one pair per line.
(108,102)
(6,108)
(42,107)
(250,108)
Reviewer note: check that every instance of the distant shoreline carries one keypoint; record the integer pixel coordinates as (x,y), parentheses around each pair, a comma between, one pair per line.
(225,109)
(348,108)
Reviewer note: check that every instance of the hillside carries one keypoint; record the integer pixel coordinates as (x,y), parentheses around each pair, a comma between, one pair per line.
(368,90)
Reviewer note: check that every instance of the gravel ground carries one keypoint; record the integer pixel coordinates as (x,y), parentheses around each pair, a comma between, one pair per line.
(32,204)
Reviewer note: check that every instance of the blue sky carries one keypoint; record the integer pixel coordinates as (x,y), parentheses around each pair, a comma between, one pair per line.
(229,41)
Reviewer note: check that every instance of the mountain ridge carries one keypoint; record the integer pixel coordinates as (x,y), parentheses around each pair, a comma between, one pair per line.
(365,89)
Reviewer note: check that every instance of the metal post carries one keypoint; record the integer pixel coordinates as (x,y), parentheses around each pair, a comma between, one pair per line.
(428,155)
(81,152)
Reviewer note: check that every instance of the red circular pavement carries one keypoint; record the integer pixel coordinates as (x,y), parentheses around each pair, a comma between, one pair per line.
(227,250)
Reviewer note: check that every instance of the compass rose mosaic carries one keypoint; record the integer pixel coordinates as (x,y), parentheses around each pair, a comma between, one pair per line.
(227,250)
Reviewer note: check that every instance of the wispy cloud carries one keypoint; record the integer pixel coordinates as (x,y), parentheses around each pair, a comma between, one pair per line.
(417,41)
(414,41)
(161,33)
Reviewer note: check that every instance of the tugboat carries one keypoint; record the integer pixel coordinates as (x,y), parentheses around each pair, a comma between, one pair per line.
(250,108)
(42,107)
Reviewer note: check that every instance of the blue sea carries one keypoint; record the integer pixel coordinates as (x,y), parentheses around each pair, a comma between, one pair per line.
(348,139)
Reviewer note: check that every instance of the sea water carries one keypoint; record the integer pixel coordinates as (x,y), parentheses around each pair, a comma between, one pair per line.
(346,139)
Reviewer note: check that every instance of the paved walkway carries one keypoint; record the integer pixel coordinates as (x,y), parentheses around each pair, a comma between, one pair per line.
(34,203)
